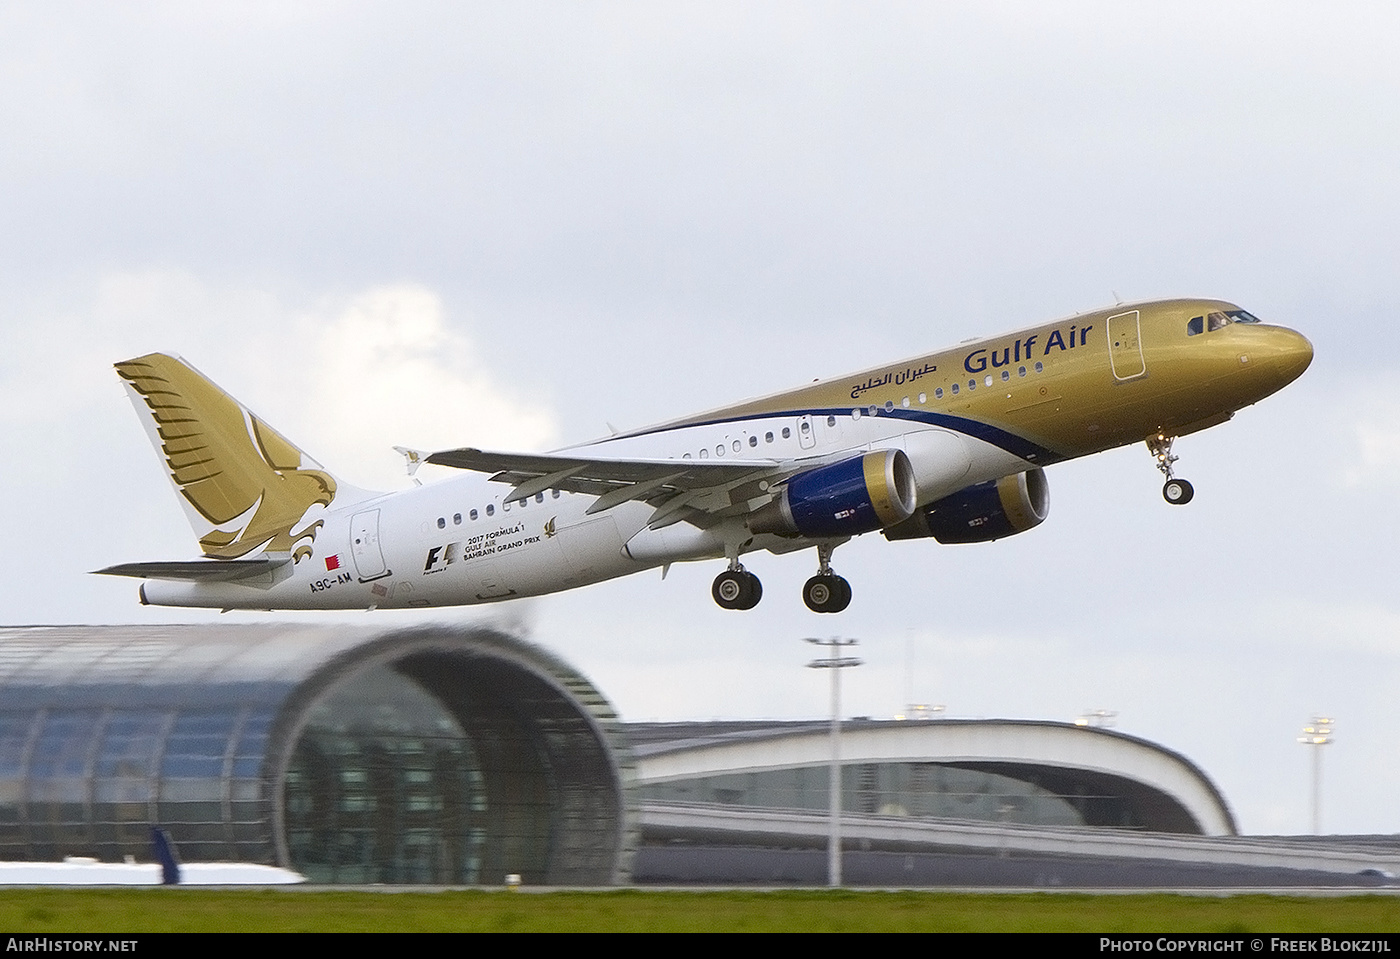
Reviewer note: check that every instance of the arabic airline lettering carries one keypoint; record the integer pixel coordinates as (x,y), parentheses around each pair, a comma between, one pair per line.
(950,446)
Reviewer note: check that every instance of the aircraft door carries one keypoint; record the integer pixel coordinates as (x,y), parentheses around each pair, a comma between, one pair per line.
(806,433)
(364,546)
(1125,346)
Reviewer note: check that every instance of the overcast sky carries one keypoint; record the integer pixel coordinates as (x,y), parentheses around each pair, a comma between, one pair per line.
(510,225)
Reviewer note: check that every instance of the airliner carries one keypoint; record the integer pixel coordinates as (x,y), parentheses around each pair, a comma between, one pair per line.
(951,445)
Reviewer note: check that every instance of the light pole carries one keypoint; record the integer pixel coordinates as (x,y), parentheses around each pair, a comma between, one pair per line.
(1098,718)
(1317,733)
(834,663)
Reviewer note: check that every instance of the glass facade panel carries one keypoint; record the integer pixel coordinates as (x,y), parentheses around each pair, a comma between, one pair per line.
(384,786)
(58,766)
(124,781)
(16,729)
(919,790)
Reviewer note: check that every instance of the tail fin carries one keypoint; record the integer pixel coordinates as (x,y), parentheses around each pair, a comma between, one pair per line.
(243,485)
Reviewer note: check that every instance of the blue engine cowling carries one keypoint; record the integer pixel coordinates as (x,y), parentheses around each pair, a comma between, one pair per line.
(854,496)
(982,513)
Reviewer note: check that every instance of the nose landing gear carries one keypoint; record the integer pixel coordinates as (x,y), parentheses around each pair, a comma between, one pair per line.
(826,592)
(1178,492)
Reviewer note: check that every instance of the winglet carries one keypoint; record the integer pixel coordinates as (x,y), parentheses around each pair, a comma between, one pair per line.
(413,457)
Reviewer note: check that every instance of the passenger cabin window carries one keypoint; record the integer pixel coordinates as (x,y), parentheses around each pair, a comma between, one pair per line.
(490,509)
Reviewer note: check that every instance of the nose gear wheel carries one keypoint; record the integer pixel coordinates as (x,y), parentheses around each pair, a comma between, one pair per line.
(1178,492)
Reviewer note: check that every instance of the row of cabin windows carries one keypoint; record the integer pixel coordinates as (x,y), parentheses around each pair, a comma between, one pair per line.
(490,510)
(972,383)
(872,410)
(738,445)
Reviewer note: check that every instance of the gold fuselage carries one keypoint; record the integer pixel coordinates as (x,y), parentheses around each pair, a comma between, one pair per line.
(1104,379)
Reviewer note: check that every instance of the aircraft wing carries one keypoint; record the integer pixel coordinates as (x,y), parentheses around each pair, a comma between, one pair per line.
(701,493)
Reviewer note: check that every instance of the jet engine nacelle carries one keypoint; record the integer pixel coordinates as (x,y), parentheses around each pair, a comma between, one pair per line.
(982,513)
(854,496)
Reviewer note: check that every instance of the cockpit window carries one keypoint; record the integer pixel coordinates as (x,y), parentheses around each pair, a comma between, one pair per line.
(1218,320)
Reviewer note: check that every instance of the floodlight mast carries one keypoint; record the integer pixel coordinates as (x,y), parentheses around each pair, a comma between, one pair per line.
(834,663)
(1317,733)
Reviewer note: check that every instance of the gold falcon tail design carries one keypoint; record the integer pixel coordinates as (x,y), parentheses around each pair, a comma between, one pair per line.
(244,485)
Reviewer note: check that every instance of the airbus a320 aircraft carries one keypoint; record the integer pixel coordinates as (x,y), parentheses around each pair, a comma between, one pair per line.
(951,445)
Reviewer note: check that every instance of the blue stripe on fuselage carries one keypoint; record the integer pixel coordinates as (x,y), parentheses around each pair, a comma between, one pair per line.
(1013,444)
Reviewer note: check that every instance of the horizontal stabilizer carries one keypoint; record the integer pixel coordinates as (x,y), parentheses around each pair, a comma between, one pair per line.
(197,571)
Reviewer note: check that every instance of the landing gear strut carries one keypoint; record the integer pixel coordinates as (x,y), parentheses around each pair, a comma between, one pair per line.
(1178,492)
(826,592)
(737,588)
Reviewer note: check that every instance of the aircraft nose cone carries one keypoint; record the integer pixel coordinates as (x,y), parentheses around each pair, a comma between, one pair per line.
(1294,354)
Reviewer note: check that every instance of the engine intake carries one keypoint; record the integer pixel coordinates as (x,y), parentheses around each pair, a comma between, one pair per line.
(982,513)
(854,496)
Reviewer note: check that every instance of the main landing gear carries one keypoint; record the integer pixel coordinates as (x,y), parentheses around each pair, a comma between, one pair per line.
(1178,492)
(737,588)
(826,592)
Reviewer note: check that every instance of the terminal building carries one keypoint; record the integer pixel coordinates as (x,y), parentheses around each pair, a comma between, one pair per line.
(442,756)
(458,755)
